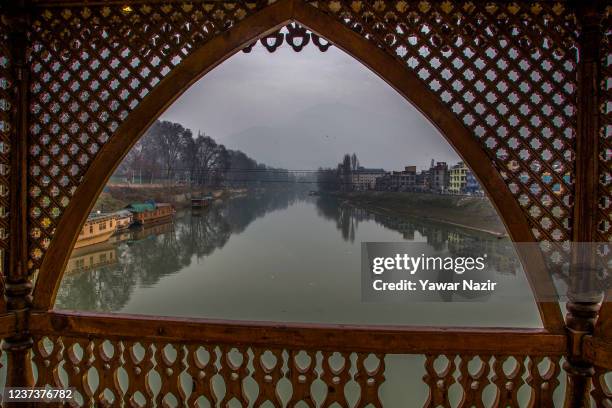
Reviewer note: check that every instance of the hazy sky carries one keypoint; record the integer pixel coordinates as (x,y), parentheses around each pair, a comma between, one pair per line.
(305,110)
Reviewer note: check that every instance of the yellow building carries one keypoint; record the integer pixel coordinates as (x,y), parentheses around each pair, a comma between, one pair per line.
(457,175)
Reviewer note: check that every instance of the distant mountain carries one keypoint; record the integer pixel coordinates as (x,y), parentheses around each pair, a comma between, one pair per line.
(320,135)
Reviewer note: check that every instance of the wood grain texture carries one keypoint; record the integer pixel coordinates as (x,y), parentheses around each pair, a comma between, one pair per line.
(598,351)
(7,325)
(375,339)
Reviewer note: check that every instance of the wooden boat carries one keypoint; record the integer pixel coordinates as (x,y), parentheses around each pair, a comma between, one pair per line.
(201,202)
(124,219)
(151,212)
(98,228)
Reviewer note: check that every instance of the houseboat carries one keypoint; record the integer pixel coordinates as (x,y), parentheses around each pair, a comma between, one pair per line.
(150,212)
(98,228)
(124,219)
(202,202)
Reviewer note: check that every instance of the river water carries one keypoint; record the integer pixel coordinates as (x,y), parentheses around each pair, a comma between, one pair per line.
(278,256)
(285,256)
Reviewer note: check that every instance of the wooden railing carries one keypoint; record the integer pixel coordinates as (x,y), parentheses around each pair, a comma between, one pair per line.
(372,339)
(113,360)
(150,361)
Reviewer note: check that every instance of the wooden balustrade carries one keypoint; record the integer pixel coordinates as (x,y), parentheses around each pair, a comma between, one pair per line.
(181,351)
(192,357)
(372,339)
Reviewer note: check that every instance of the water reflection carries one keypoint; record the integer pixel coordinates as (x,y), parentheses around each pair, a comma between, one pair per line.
(251,240)
(102,277)
(457,241)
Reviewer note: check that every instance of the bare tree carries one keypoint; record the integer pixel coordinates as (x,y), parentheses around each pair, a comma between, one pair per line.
(169,150)
(168,139)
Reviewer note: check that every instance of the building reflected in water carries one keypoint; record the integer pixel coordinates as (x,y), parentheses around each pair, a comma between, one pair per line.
(140,257)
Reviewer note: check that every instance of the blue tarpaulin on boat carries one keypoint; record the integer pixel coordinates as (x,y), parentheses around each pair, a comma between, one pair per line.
(141,207)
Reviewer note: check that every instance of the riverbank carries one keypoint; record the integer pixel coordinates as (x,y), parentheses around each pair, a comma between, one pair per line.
(116,197)
(476,213)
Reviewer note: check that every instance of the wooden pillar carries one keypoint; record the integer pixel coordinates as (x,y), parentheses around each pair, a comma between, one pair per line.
(18,286)
(583,303)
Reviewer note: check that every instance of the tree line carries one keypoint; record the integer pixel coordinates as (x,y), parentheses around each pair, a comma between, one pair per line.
(339,178)
(169,152)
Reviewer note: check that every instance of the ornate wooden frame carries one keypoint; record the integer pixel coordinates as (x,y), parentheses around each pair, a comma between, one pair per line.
(218,50)
(560,191)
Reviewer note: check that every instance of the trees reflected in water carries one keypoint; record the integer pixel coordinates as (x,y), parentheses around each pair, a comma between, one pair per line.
(103,277)
(142,256)
(440,236)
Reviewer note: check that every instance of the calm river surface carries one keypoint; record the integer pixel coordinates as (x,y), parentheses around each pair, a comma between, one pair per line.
(286,256)
(278,256)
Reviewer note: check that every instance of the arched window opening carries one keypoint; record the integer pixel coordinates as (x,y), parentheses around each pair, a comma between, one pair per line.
(253,193)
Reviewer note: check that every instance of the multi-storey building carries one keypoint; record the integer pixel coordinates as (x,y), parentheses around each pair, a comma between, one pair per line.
(365,179)
(404,180)
(438,177)
(435,179)
(422,181)
(457,178)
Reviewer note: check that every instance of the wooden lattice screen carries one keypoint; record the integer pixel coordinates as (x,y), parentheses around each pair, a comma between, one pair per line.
(605,150)
(512,85)
(507,71)
(88,79)
(7,107)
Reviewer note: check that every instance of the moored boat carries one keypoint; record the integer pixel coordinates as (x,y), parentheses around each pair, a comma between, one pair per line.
(202,202)
(98,228)
(124,219)
(150,212)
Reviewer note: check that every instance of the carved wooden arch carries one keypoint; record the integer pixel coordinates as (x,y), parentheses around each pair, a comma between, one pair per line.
(220,48)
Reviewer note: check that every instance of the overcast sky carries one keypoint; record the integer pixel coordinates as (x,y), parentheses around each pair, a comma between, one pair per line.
(305,110)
